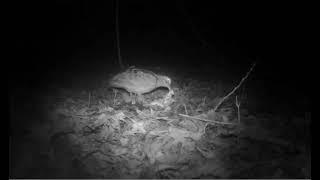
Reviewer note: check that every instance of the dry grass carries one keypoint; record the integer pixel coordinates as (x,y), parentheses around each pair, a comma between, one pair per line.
(199,135)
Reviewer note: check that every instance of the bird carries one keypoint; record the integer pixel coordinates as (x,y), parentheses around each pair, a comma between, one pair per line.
(139,81)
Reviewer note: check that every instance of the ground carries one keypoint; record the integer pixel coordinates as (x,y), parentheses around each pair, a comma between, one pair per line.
(82,131)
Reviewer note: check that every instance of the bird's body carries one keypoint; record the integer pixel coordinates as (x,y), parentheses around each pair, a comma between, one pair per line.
(139,81)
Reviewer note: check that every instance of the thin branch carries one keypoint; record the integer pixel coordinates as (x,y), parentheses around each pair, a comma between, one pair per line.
(118,35)
(237,87)
(115,95)
(185,108)
(206,120)
(238,103)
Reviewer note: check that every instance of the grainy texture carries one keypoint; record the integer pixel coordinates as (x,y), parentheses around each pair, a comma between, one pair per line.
(139,81)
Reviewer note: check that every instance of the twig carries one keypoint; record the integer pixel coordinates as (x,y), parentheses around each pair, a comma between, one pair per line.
(163,118)
(185,108)
(118,34)
(238,107)
(206,120)
(242,80)
(202,104)
(239,121)
(115,95)
(132,120)
(169,121)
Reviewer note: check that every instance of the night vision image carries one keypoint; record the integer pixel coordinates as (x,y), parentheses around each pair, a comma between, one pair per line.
(146,89)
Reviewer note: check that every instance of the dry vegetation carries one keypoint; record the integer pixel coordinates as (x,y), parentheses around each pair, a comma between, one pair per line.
(206,132)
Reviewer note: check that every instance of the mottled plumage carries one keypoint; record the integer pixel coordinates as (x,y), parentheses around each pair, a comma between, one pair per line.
(139,81)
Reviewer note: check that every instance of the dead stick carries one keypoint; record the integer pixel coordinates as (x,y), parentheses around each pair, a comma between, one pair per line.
(237,87)
(206,120)
(238,108)
(185,108)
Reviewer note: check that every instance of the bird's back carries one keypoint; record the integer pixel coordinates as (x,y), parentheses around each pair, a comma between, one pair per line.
(135,80)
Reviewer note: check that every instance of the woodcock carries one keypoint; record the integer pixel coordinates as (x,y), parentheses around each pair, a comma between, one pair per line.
(139,81)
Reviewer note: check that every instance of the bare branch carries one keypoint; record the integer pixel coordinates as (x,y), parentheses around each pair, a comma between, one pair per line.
(206,120)
(237,87)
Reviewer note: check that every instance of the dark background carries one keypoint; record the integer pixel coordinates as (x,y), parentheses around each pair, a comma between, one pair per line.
(54,40)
